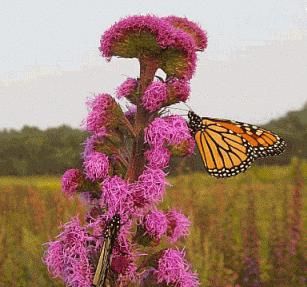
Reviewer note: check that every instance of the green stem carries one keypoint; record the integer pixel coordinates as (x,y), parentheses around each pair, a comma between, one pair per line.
(148,68)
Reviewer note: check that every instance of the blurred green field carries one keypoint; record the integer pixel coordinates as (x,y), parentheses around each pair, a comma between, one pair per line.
(228,216)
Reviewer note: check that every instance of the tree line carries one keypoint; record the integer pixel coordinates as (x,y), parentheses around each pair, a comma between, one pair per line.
(32,151)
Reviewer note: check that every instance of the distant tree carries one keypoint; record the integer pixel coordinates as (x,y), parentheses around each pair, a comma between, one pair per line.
(32,151)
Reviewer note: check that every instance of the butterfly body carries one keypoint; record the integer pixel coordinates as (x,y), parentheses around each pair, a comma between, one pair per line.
(110,236)
(229,147)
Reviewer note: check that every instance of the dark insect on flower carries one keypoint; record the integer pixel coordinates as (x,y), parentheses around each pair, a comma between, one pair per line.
(110,236)
(228,147)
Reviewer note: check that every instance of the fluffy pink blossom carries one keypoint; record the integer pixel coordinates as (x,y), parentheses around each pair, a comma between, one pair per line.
(155,96)
(157,157)
(127,88)
(71,181)
(54,258)
(198,34)
(158,132)
(190,279)
(68,256)
(155,224)
(96,166)
(96,223)
(153,182)
(173,270)
(178,225)
(179,139)
(104,113)
(116,197)
(171,131)
(166,36)
(149,188)
(178,90)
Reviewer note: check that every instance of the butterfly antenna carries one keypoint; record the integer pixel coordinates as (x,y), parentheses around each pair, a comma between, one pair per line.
(179,109)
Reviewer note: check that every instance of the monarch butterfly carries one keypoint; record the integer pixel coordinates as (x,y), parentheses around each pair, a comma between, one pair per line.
(229,147)
(110,235)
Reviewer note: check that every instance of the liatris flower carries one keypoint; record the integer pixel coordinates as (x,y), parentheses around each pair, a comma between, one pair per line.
(116,197)
(157,157)
(157,133)
(71,181)
(173,132)
(173,270)
(191,28)
(180,140)
(178,90)
(124,160)
(127,88)
(96,223)
(104,113)
(96,166)
(155,96)
(68,256)
(154,36)
(54,258)
(155,224)
(178,225)
(149,188)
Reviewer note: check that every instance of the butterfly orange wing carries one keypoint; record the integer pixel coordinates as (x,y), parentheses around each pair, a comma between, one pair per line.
(224,153)
(264,142)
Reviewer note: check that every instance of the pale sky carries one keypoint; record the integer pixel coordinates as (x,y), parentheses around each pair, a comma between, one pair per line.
(255,67)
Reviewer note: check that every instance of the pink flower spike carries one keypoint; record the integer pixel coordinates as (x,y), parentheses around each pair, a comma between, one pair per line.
(178,225)
(173,132)
(54,258)
(163,31)
(178,90)
(155,224)
(68,256)
(155,96)
(127,88)
(192,28)
(71,181)
(153,184)
(104,113)
(115,42)
(96,166)
(173,269)
(116,196)
(158,157)
(189,279)
(158,131)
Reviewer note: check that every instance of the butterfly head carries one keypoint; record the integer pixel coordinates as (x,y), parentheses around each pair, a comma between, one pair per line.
(194,121)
